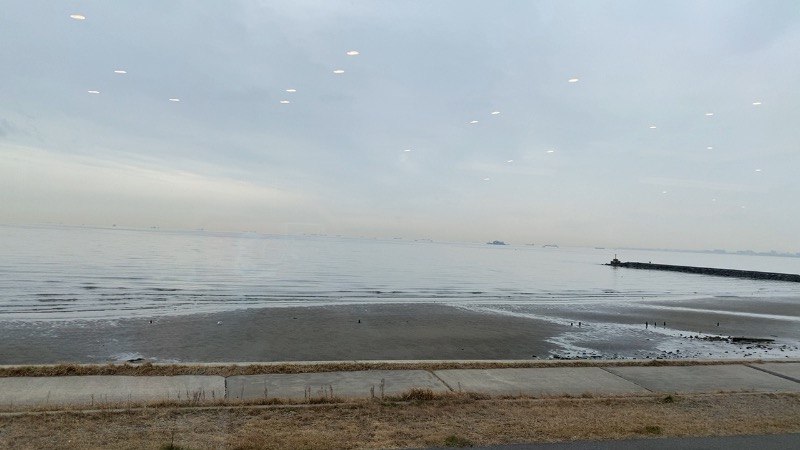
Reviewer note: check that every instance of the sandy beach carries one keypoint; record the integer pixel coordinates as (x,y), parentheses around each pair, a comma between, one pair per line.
(413,331)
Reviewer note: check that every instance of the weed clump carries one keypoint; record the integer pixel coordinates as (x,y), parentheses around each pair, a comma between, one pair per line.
(650,429)
(172,447)
(457,441)
(419,394)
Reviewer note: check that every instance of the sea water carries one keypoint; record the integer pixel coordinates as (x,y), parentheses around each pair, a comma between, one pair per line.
(67,272)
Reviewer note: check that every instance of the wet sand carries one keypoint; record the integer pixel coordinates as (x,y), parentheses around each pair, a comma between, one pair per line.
(366,332)
(670,329)
(726,316)
(416,331)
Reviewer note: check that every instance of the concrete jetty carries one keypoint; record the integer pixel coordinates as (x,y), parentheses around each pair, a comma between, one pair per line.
(751,274)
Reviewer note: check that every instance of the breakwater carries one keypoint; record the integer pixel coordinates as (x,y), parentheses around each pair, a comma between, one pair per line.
(751,274)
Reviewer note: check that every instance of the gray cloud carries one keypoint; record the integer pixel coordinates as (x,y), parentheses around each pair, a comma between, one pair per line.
(700,184)
(6,127)
(424,72)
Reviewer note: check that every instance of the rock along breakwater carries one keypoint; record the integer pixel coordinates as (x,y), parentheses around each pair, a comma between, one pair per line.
(751,274)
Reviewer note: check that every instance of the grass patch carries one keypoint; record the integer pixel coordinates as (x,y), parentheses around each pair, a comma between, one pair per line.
(456,441)
(650,429)
(159,369)
(171,445)
(455,420)
(420,394)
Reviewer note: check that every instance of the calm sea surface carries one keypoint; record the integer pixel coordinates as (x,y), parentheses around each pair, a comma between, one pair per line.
(57,273)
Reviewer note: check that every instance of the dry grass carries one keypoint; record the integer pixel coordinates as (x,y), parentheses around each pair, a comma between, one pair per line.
(199,400)
(419,419)
(226,370)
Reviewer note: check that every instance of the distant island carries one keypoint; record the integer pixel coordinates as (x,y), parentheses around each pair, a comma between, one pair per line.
(754,253)
(725,252)
(496,243)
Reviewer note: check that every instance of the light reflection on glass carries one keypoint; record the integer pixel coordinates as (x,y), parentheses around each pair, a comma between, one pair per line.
(573,80)
(77,17)
(494,113)
(338,71)
(473,121)
(120,71)
(174,99)
(93,92)
(352,53)
(284,101)
(291,90)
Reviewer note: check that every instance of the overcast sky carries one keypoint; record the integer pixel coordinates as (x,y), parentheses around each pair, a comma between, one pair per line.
(621,123)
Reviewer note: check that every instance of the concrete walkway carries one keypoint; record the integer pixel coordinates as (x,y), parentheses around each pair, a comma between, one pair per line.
(111,390)
(620,380)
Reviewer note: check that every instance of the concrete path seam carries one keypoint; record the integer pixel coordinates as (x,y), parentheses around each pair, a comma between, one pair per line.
(779,375)
(443,382)
(623,378)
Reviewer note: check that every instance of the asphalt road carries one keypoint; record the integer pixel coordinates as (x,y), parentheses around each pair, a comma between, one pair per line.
(760,442)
